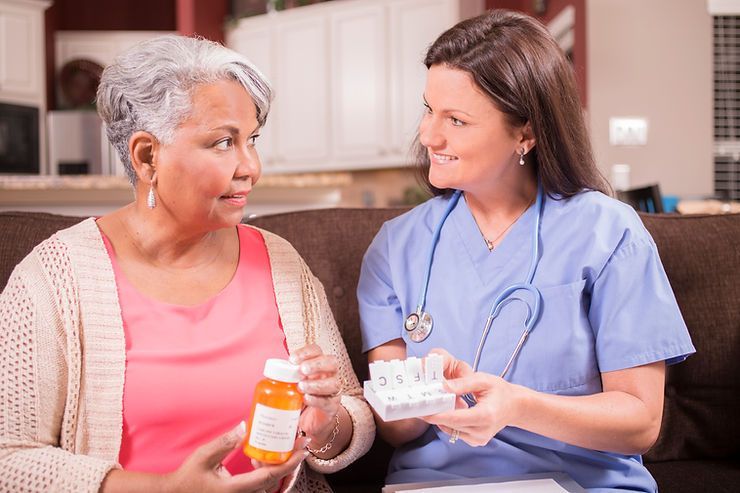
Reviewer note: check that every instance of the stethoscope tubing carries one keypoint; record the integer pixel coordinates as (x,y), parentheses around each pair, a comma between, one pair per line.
(433,246)
(501,299)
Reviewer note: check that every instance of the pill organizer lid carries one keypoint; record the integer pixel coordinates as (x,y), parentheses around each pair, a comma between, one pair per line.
(282,370)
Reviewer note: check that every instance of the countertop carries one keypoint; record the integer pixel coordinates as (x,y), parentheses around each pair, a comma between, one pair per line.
(93,194)
(709,206)
(101,182)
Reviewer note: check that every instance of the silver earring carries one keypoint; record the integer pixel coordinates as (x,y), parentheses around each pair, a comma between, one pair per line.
(521,157)
(151,202)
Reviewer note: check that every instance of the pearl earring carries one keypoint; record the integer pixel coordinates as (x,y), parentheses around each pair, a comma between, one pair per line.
(151,202)
(521,157)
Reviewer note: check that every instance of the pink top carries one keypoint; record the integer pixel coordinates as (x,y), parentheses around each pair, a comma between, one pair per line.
(191,370)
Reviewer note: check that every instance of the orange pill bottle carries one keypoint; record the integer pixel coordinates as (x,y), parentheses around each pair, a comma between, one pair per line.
(276,409)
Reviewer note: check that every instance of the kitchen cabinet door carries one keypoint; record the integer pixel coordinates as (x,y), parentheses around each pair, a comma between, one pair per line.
(22,52)
(254,40)
(301,81)
(359,80)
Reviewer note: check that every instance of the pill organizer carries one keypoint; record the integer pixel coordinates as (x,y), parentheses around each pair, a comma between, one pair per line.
(409,388)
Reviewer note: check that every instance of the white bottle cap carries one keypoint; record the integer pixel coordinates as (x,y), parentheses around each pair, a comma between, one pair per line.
(282,370)
(621,176)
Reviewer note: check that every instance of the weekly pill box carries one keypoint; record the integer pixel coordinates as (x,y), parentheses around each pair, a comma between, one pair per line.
(400,389)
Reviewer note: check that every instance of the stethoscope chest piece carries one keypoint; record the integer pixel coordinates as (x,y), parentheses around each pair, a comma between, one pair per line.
(418,326)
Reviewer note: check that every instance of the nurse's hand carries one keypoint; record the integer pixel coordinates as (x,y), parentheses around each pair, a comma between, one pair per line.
(321,388)
(497,403)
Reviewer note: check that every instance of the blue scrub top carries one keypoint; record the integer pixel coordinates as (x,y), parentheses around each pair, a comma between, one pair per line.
(606,305)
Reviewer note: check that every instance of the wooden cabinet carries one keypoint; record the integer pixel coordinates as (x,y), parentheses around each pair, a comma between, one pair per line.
(22,75)
(348,79)
(301,90)
(358,70)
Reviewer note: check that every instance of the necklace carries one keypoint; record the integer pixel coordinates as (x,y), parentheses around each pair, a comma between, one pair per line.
(491,243)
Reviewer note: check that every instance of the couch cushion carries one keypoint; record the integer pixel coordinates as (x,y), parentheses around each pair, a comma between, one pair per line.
(702,259)
(21,231)
(717,476)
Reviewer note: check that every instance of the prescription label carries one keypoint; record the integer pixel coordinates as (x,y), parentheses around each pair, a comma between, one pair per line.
(273,429)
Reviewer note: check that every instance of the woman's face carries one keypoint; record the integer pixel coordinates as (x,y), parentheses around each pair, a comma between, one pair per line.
(470,145)
(204,174)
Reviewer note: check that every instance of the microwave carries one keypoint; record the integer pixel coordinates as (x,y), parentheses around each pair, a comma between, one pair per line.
(19,139)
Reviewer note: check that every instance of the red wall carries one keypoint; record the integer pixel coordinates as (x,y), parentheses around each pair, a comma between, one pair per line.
(205,18)
(202,18)
(131,15)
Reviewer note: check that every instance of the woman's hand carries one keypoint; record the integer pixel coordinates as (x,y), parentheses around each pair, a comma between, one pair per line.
(321,387)
(624,418)
(202,470)
(497,402)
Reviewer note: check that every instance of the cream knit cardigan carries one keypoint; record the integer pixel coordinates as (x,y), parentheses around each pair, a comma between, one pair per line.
(62,363)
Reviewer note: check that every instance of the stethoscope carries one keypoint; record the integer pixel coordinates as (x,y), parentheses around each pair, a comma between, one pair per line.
(419,324)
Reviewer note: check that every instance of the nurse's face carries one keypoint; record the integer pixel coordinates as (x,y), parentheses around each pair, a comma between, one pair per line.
(471,146)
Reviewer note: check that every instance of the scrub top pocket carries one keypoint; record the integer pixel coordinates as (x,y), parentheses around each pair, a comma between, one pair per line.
(558,355)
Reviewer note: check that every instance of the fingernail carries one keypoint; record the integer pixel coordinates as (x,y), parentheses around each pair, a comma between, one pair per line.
(305,368)
(302,386)
(293,359)
(241,429)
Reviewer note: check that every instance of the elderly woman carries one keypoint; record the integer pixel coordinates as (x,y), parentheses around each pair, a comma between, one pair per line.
(131,343)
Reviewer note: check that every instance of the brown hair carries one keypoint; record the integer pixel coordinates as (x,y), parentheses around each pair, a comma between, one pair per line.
(516,62)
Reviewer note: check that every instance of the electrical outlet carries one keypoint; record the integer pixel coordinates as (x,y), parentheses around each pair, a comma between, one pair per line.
(628,131)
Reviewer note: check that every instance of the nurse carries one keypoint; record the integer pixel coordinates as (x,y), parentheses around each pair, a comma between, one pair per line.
(583,392)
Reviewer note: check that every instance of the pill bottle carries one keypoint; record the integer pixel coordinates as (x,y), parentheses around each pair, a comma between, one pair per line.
(276,409)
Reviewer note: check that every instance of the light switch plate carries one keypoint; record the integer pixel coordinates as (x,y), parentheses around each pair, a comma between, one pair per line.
(628,131)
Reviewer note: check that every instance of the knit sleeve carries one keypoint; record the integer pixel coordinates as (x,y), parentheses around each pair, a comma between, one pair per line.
(327,336)
(37,419)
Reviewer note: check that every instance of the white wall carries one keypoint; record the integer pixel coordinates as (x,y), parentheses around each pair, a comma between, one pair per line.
(653,59)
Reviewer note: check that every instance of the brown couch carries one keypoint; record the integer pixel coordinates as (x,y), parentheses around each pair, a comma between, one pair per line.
(699,444)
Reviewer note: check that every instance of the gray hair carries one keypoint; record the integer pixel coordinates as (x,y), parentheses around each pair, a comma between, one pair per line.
(149,87)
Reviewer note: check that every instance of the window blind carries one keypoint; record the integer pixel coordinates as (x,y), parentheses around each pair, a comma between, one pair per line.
(727,106)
